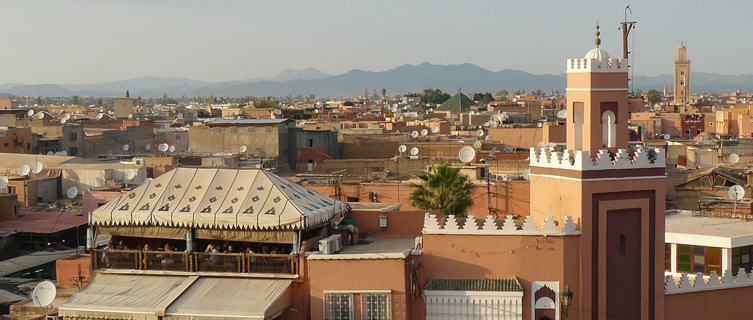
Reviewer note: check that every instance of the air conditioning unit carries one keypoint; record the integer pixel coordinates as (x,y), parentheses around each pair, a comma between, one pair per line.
(331,244)
(139,162)
(503,177)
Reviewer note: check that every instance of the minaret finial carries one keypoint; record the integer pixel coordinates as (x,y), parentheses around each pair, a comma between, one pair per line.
(597,41)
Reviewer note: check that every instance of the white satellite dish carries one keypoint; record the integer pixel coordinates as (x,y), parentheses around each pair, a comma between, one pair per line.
(3,182)
(394,108)
(431,110)
(734,158)
(434,129)
(278,112)
(130,116)
(63,153)
(539,125)
(40,115)
(562,114)
(414,134)
(316,110)
(24,170)
(243,149)
(37,168)
(402,148)
(100,115)
(67,116)
(44,293)
(29,113)
(479,133)
(414,151)
(477,144)
(72,192)
(50,153)
(130,174)
(467,154)
(718,136)
(171,149)
(148,147)
(667,136)
(527,175)
(126,147)
(63,120)
(110,112)
(147,180)
(424,132)
(162,147)
(736,192)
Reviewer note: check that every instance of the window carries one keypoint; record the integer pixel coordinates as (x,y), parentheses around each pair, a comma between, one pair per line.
(609,129)
(699,259)
(12,190)
(667,257)
(697,131)
(741,258)
(375,306)
(311,143)
(622,244)
(579,119)
(73,136)
(338,306)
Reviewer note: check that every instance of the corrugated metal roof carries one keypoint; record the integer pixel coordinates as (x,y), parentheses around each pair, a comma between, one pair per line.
(17,264)
(474,285)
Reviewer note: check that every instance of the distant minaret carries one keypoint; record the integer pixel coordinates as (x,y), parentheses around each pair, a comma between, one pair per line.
(128,94)
(365,93)
(682,76)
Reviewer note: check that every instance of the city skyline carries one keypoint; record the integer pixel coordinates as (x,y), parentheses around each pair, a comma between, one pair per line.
(91,42)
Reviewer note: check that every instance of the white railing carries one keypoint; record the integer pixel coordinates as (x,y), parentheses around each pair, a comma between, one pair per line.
(489,227)
(685,282)
(582,159)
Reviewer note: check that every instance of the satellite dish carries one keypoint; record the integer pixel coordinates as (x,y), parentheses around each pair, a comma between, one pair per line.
(539,125)
(414,134)
(67,116)
(424,132)
(434,129)
(130,174)
(29,113)
(3,182)
(63,120)
(148,147)
(278,112)
(63,153)
(147,180)
(527,175)
(171,149)
(467,154)
(162,147)
(667,136)
(414,151)
(130,116)
(72,192)
(479,133)
(24,170)
(431,110)
(736,192)
(110,112)
(44,293)
(477,144)
(243,149)
(316,110)
(734,158)
(37,168)
(718,136)
(402,148)
(126,147)
(40,115)
(100,115)
(562,114)
(50,153)
(394,108)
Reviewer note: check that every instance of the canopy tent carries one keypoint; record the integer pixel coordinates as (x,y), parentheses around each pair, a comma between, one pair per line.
(211,198)
(147,297)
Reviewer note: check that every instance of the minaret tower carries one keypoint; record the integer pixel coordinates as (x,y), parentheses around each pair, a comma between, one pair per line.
(616,196)
(682,76)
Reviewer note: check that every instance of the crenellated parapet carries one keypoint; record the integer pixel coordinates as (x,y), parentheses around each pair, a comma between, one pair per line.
(698,282)
(578,65)
(490,227)
(582,160)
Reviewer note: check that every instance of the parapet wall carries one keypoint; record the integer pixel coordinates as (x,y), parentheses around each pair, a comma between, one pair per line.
(683,283)
(489,227)
(582,160)
(577,65)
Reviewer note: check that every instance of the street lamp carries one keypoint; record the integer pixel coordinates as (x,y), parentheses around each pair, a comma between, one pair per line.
(566,300)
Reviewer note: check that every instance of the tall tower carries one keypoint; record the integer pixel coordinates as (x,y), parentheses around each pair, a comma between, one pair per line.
(682,76)
(616,196)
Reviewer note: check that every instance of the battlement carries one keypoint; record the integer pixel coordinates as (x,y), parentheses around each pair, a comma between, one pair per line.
(582,160)
(578,65)
(508,227)
(682,283)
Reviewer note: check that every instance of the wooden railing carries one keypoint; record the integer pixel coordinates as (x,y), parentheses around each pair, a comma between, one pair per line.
(194,261)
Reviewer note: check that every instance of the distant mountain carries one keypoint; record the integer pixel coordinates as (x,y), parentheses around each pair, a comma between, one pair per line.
(402,79)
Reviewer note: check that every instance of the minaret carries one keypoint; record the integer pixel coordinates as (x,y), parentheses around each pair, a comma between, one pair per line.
(682,76)
(615,195)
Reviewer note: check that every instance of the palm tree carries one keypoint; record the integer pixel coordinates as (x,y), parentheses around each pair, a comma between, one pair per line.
(442,188)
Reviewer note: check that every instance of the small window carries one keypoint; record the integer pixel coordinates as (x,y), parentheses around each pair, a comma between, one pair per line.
(311,143)
(375,306)
(338,306)
(177,137)
(73,136)
(622,244)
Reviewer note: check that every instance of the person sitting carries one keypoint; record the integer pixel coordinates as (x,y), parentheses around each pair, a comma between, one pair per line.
(122,246)
(145,261)
(105,256)
(168,259)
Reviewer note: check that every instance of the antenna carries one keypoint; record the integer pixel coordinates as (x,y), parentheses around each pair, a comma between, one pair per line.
(627,26)
(37,168)
(466,154)
(72,192)
(44,293)
(667,136)
(736,193)
(50,153)
(24,170)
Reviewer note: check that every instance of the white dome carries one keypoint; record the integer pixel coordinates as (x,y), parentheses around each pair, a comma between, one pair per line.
(598,54)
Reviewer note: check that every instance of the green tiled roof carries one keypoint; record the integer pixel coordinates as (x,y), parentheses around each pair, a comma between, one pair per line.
(474,284)
(457,103)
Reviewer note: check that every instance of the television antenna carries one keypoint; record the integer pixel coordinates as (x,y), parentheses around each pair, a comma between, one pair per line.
(63,153)
(466,154)
(24,170)
(40,115)
(50,153)
(477,144)
(130,116)
(129,175)
(67,116)
(667,136)
(100,115)
(277,112)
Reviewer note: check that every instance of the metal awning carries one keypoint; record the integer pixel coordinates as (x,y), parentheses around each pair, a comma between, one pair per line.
(153,297)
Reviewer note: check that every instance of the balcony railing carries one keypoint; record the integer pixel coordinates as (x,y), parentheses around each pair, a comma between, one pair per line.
(194,261)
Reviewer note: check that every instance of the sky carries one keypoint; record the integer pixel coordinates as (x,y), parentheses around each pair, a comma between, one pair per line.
(76,42)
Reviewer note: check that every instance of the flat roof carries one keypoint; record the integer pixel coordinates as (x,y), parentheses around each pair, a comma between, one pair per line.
(21,263)
(686,227)
(44,222)
(375,206)
(379,248)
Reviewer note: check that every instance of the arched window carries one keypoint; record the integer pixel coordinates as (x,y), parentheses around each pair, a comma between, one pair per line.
(609,128)
(578,129)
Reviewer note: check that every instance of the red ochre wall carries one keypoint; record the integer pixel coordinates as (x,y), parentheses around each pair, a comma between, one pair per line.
(400,224)
(728,304)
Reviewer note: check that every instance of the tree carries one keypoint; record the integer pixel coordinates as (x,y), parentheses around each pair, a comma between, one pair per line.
(503,95)
(434,96)
(384,93)
(483,98)
(654,97)
(442,188)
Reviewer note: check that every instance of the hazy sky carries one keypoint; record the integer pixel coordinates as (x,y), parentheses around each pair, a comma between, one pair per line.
(93,41)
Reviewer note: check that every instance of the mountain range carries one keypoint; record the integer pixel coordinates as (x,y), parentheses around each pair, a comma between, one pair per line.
(402,79)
